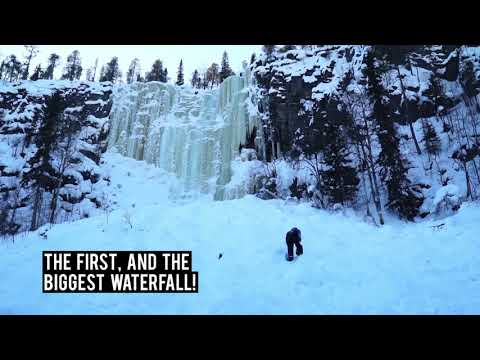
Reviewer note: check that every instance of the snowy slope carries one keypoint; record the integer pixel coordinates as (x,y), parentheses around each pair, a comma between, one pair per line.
(349,267)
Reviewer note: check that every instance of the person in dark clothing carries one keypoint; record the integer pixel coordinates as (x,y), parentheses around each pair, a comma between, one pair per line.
(294,237)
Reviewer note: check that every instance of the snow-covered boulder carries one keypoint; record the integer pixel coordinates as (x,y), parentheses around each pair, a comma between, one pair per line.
(447,200)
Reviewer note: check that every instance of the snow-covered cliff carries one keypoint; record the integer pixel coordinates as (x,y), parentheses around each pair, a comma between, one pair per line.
(52,135)
(319,109)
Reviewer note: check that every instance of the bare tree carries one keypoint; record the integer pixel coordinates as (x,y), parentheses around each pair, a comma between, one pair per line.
(406,105)
(359,107)
(31,52)
(127,217)
(66,149)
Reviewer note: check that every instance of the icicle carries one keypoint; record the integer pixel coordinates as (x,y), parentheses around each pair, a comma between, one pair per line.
(192,133)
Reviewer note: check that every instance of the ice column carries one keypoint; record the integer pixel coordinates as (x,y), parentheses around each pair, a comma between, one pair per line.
(193,133)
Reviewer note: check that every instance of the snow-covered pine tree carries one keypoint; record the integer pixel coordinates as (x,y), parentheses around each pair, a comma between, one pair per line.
(431,139)
(73,68)
(41,176)
(195,79)
(205,80)
(53,61)
(269,50)
(37,73)
(225,70)
(435,92)
(402,197)
(165,76)
(468,79)
(156,73)
(102,73)
(339,176)
(180,77)
(12,68)
(111,71)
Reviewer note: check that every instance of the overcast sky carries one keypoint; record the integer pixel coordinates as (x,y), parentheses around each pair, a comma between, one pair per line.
(194,56)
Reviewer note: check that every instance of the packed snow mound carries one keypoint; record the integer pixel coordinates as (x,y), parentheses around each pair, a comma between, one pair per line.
(349,267)
(193,133)
(447,200)
(451,191)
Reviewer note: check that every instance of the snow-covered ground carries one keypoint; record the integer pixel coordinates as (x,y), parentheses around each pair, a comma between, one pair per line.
(349,266)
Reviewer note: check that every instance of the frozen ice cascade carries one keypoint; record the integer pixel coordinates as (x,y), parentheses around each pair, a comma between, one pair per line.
(193,133)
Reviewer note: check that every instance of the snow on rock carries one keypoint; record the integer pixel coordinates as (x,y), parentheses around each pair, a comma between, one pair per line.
(74,158)
(245,169)
(451,191)
(447,200)
(430,87)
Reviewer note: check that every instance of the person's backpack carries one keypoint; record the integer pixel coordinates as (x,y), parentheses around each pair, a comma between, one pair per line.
(295,231)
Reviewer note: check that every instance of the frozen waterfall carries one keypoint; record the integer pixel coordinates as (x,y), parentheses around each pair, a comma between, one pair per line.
(193,133)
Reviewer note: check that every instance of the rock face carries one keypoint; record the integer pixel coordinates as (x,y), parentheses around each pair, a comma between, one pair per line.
(52,135)
(427,92)
(297,80)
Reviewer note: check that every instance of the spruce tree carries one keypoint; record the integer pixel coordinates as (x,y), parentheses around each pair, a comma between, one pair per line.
(225,70)
(195,79)
(156,74)
(269,50)
(165,76)
(205,80)
(2,68)
(53,61)
(42,176)
(180,78)
(111,71)
(102,73)
(339,176)
(435,91)
(73,68)
(37,74)
(468,79)
(253,58)
(431,139)
(12,68)
(402,197)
